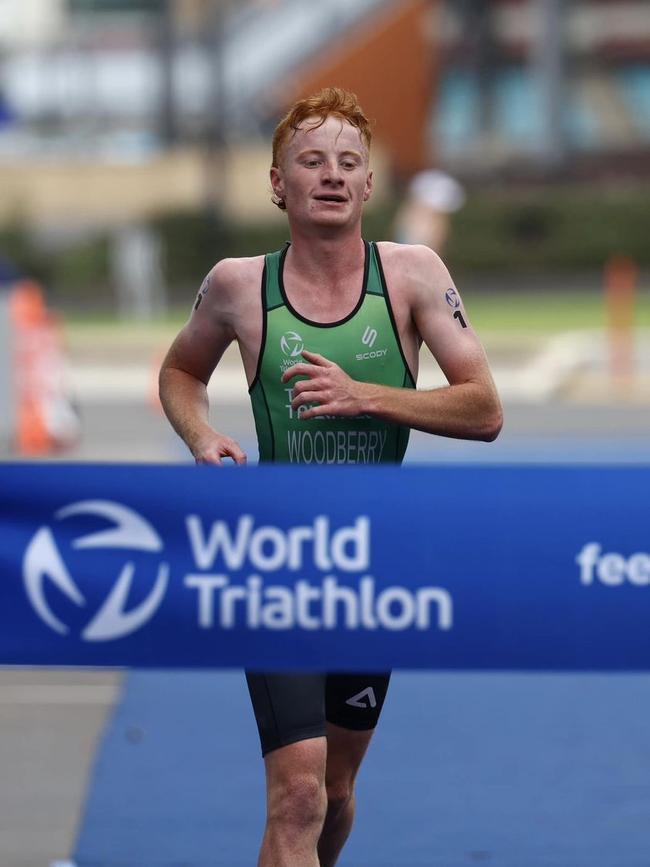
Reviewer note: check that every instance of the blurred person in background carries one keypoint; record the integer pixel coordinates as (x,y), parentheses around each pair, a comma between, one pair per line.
(329,330)
(423,217)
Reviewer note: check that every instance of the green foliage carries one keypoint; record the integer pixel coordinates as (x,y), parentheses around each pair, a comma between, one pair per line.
(564,229)
(103,6)
(191,243)
(517,233)
(18,248)
(77,274)
(81,274)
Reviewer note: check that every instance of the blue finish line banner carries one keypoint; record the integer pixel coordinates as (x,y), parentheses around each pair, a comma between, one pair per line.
(334,568)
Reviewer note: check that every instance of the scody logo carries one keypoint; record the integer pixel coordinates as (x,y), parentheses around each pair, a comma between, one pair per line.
(368,339)
(369,336)
(130,532)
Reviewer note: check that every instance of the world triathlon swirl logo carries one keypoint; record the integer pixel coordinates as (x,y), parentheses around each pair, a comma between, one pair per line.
(292,344)
(45,570)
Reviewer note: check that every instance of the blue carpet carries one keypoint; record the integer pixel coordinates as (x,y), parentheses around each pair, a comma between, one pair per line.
(504,770)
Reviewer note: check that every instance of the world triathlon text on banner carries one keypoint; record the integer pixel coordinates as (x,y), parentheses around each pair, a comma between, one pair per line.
(337,568)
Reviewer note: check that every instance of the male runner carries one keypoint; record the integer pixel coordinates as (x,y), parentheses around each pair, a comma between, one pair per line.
(329,330)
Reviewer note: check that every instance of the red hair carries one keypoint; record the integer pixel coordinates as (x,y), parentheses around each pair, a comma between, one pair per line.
(331,101)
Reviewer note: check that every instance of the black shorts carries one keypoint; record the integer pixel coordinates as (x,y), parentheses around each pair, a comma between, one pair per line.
(294,707)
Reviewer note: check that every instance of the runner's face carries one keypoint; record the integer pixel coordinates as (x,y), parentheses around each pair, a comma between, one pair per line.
(323,175)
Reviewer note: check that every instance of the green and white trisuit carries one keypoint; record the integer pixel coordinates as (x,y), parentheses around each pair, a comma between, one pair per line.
(293,707)
(364,344)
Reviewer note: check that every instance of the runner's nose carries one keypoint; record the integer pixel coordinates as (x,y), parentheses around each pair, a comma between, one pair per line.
(332,174)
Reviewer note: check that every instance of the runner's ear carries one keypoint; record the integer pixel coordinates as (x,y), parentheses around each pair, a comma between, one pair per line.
(276,182)
(369,187)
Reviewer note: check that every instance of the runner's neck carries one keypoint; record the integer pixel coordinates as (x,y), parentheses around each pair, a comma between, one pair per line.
(323,262)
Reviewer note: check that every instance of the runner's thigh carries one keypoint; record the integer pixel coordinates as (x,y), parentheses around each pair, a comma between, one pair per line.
(288,707)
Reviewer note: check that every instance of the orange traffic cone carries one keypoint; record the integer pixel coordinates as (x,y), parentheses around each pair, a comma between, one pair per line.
(44,420)
(621,277)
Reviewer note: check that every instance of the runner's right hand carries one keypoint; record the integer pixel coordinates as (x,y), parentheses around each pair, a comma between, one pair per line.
(212,449)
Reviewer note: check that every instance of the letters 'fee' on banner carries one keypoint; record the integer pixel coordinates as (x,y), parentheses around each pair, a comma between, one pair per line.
(338,568)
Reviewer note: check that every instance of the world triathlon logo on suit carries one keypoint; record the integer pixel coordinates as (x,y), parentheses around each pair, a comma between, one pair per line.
(96,572)
(292,344)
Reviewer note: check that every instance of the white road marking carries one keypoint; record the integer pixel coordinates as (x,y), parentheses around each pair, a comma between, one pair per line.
(537,378)
(49,694)
(114,383)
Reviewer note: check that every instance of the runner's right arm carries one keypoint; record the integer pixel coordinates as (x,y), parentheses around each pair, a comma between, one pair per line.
(187,368)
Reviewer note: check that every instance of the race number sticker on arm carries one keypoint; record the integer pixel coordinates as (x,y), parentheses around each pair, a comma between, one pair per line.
(202,291)
(453,299)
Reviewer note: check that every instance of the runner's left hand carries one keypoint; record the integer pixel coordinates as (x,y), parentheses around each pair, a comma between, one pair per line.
(327,385)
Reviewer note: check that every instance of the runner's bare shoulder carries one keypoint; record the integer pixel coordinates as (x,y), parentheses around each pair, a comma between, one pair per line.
(411,269)
(229,286)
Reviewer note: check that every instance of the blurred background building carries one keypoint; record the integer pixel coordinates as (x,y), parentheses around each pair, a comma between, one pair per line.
(480,82)
(159,112)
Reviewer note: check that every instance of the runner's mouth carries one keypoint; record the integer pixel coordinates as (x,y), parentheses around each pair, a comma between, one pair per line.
(331,198)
